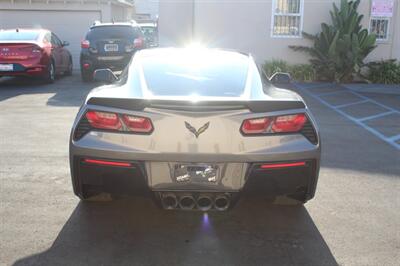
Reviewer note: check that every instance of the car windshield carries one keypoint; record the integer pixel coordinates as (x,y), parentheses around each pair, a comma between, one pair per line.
(215,74)
(19,35)
(112,32)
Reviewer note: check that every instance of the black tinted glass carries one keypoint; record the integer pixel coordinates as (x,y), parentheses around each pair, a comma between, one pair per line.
(112,32)
(210,74)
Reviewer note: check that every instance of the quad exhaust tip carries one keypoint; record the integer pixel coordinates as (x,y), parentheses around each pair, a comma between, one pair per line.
(202,202)
(187,202)
(169,201)
(221,202)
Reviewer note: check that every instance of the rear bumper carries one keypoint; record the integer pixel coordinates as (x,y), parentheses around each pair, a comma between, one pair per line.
(115,62)
(152,167)
(245,177)
(21,69)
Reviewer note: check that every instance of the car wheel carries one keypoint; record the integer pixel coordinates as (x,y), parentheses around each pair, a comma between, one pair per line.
(87,76)
(51,73)
(70,66)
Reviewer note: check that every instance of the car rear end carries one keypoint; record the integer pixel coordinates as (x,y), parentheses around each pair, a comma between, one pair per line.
(22,53)
(110,46)
(197,151)
(150,32)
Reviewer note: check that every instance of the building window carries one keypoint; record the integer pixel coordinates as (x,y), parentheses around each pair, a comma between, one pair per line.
(379,26)
(287,18)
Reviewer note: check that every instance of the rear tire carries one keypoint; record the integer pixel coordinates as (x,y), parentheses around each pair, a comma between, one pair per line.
(70,67)
(297,199)
(94,194)
(50,76)
(87,76)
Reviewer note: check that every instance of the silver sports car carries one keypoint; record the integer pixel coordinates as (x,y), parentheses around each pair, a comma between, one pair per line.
(195,129)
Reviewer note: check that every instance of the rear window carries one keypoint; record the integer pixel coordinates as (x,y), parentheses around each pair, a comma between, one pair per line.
(112,32)
(19,36)
(214,74)
(149,30)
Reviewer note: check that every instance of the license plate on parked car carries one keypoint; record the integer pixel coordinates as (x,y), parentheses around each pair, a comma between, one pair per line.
(6,67)
(111,47)
(196,173)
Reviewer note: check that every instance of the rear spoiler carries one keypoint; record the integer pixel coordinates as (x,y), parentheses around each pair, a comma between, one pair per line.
(140,104)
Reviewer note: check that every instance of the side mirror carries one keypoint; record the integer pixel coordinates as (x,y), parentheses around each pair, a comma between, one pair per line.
(280,78)
(65,43)
(104,76)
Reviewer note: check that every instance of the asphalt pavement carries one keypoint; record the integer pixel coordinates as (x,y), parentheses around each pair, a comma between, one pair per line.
(353,220)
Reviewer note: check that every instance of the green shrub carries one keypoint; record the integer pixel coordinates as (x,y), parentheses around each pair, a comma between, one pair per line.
(302,72)
(299,72)
(385,72)
(270,67)
(340,48)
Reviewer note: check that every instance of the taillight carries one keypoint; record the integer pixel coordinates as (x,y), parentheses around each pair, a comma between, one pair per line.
(35,50)
(119,122)
(103,120)
(85,44)
(138,43)
(274,124)
(289,123)
(255,126)
(138,124)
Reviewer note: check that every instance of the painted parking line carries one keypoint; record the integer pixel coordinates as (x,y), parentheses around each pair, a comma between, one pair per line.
(351,104)
(376,116)
(330,93)
(359,121)
(395,138)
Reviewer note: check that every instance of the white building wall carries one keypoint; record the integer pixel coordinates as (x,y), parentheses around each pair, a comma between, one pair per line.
(150,7)
(175,22)
(246,26)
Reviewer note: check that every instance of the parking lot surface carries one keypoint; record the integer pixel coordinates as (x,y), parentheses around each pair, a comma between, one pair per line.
(353,220)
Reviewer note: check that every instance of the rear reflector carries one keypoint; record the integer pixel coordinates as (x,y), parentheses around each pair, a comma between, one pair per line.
(107,163)
(274,124)
(282,165)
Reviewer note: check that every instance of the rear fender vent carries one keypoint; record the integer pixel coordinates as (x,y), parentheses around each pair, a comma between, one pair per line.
(309,132)
(82,129)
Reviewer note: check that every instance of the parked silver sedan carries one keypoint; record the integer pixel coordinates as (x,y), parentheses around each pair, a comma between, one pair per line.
(196,129)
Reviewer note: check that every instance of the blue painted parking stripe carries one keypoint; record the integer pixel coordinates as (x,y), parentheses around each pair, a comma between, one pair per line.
(350,104)
(395,138)
(318,85)
(358,121)
(330,93)
(377,103)
(376,116)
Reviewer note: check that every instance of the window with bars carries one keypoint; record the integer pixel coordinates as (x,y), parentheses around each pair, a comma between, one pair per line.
(287,18)
(379,26)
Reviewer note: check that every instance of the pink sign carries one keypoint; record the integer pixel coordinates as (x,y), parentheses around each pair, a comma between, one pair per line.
(382,8)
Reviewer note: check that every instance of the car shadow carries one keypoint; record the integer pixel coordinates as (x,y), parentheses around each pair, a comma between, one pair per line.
(135,232)
(68,91)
